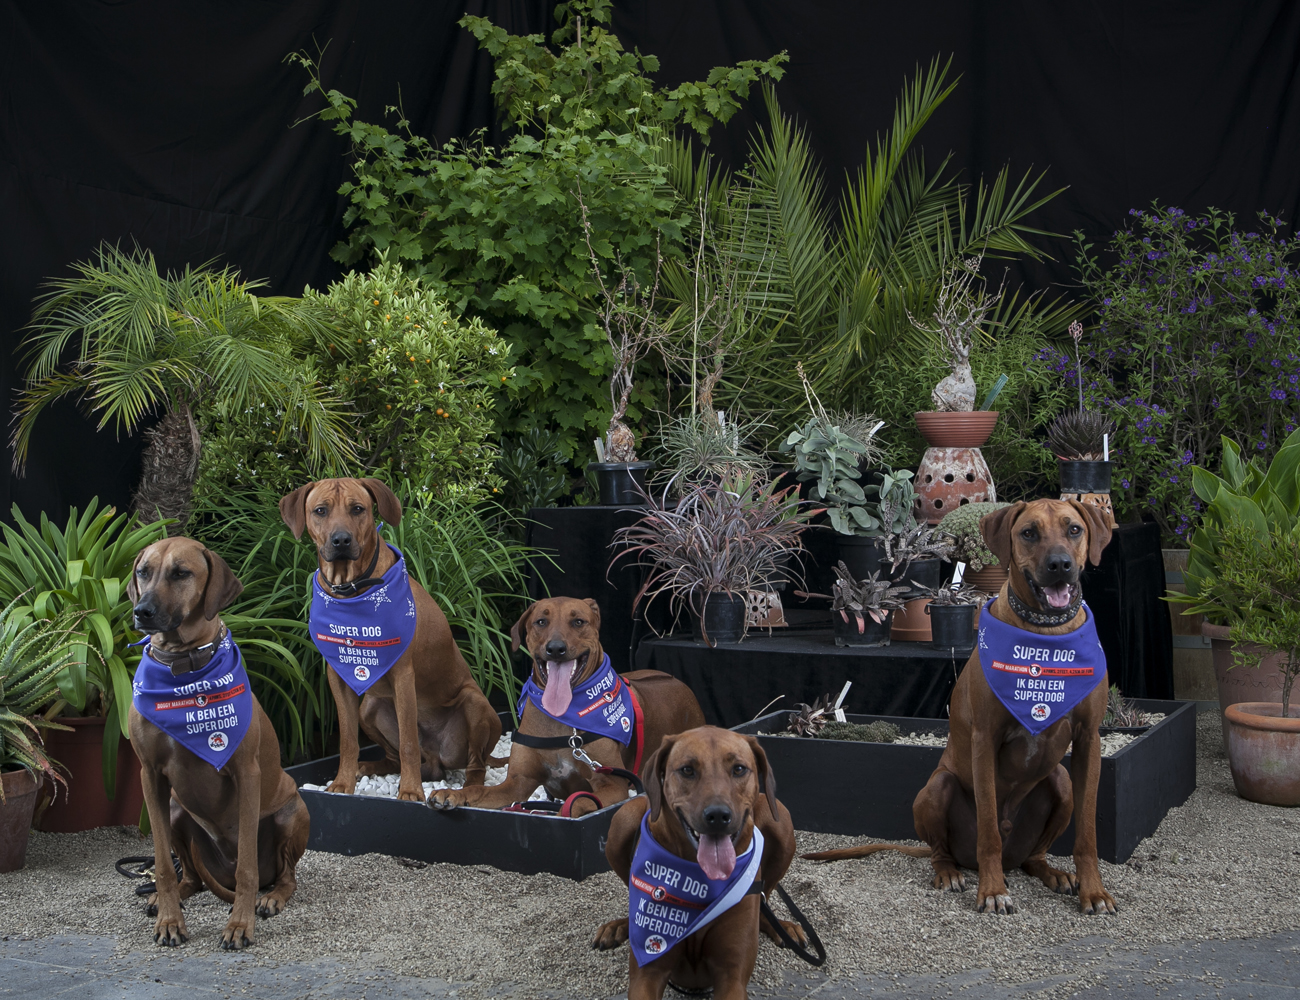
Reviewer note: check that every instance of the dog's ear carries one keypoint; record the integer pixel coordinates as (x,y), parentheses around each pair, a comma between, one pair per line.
(519,630)
(1099,530)
(223,586)
(133,588)
(595,613)
(766,779)
(390,508)
(293,509)
(996,529)
(652,775)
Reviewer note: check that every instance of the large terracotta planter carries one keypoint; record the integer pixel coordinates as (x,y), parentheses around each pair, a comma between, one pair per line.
(16,818)
(1264,752)
(912,624)
(84,804)
(1240,684)
(953,471)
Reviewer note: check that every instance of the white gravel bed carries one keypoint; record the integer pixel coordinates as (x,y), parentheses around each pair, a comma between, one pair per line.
(1218,867)
(385,785)
(1111,743)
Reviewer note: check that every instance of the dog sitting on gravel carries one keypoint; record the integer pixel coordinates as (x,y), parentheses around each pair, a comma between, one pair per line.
(574,706)
(698,851)
(1035,684)
(394,668)
(209,758)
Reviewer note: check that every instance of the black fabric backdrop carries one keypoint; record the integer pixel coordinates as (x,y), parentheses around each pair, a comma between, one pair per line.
(170,124)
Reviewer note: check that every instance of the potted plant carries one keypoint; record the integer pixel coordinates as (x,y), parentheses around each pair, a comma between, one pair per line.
(916,556)
(83,568)
(1266,498)
(953,468)
(717,543)
(861,610)
(632,328)
(33,653)
(1256,591)
(961,530)
(1080,440)
(952,613)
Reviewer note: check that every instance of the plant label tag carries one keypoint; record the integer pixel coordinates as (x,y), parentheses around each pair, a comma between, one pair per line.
(840,716)
(839,712)
(959,571)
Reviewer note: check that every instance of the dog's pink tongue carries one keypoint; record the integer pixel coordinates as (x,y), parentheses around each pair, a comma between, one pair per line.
(717,856)
(559,690)
(1058,596)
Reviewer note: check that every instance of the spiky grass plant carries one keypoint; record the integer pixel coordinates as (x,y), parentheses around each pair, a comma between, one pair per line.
(694,446)
(1078,435)
(33,653)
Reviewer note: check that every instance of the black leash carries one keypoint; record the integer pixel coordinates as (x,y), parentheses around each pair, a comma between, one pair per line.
(786,940)
(141,866)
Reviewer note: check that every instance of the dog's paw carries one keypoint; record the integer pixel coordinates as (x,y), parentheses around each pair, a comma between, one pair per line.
(170,932)
(339,786)
(238,934)
(269,905)
(1096,901)
(791,928)
(446,798)
(410,795)
(610,935)
(996,903)
(950,880)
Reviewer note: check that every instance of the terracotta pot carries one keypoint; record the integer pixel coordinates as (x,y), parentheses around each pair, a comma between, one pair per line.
(947,478)
(1240,684)
(84,805)
(16,818)
(1264,752)
(912,624)
(990,579)
(956,430)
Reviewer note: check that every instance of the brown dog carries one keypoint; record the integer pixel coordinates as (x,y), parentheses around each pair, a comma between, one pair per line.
(236,828)
(1000,796)
(426,712)
(563,636)
(706,790)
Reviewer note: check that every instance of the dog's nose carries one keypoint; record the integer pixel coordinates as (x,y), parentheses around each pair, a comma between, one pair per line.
(341,539)
(1059,562)
(556,649)
(717,818)
(143,612)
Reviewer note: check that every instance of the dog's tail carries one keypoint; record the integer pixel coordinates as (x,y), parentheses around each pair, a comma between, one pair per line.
(214,887)
(862,850)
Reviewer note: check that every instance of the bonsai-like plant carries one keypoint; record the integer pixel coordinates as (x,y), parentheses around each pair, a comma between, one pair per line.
(34,652)
(1079,436)
(960,309)
(961,529)
(720,538)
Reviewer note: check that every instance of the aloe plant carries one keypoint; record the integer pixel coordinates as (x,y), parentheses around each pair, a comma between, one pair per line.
(34,652)
(83,569)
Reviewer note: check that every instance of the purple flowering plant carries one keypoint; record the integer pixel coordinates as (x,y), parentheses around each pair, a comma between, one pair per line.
(1197,337)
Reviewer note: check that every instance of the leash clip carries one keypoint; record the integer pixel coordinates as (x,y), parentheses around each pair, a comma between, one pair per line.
(579,754)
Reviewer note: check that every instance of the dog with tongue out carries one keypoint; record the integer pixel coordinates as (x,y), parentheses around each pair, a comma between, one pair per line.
(574,695)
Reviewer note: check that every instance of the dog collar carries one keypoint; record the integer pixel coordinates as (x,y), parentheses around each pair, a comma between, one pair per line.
(1044,618)
(198,657)
(350,589)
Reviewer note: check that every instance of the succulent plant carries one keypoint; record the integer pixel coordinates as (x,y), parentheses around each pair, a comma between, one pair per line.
(965,594)
(1076,436)
(809,720)
(961,528)
(920,541)
(1121,712)
(872,596)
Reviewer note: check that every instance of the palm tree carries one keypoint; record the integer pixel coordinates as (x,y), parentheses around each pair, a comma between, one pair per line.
(131,342)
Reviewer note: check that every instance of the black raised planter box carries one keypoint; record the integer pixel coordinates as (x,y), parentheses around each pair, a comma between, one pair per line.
(512,841)
(867,789)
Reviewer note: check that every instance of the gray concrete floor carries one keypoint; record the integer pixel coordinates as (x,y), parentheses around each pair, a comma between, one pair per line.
(85,967)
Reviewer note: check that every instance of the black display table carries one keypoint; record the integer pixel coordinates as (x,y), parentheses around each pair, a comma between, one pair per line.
(735,683)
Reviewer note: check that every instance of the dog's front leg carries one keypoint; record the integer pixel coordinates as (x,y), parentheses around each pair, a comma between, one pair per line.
(992,895)
(169,929)
(409,788)
(348,703)
(248,785)
(1085,771)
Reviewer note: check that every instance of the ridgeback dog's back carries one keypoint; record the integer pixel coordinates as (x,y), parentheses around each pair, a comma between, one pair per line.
(1000,796)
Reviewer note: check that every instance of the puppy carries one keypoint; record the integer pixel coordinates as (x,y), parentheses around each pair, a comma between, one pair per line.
(393,667)
(209,758)
(574,690)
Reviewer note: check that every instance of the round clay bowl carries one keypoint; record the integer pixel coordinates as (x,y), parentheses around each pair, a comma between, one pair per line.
(1264,752)
(956,430)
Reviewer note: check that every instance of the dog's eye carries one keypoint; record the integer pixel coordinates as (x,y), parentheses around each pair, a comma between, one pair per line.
(540,623)
(686,772)
(358,509)
(577,623)
(1075,529)
(1027,534)
(319,511)
(740,770)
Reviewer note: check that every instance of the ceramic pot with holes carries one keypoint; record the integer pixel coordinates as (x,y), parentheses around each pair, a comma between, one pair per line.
(953,471)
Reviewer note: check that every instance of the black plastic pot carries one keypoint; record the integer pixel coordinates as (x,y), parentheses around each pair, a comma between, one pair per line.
(860,554)
(622,484)
(921,576)
(952,626)
(873,633)
(1084,477)
(724,619)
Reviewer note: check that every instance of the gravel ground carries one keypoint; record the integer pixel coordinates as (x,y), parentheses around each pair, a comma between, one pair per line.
(1218,867)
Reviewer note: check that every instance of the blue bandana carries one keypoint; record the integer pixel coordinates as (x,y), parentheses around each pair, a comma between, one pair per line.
(600,706)
(362,637)
(1040,678)
(207,711)
(670,898)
